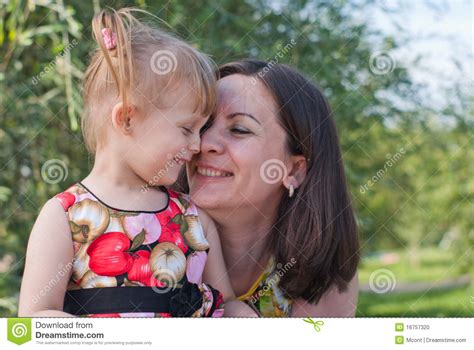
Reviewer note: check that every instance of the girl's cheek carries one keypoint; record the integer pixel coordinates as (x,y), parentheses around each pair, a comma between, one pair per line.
(183,144)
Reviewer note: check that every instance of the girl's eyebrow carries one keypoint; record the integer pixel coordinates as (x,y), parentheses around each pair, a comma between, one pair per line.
(232,115)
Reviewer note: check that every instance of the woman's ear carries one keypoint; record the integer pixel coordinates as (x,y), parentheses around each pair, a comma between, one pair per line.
(296,172)
(123,118)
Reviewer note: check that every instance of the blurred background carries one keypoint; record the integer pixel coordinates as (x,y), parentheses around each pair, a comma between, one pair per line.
(398,74)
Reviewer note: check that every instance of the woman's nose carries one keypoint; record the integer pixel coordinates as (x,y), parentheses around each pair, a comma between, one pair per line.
(211,140)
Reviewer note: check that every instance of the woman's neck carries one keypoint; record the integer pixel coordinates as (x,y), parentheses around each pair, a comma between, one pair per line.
(244,241)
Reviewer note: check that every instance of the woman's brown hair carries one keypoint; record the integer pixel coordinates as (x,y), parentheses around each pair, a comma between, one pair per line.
(317,226)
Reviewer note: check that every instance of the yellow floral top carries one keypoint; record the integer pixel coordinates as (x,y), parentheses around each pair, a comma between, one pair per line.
(265,297)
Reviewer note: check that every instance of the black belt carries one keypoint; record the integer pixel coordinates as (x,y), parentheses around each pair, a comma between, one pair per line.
(117,299)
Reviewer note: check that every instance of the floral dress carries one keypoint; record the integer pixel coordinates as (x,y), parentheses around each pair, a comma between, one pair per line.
(137,263)
(265,297)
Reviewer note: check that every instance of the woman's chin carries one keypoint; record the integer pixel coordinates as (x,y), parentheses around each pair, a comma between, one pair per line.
(209,192)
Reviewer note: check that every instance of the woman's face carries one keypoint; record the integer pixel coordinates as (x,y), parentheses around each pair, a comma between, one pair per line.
(244,135)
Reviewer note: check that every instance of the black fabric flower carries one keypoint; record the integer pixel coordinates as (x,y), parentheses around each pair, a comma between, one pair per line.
(187,301)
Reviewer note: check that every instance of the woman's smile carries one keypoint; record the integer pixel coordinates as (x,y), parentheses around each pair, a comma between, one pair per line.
(208,172)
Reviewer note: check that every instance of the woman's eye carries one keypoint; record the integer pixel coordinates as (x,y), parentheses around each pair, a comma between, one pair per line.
(239,130)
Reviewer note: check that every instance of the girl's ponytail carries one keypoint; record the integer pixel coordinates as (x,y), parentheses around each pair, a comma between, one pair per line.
(127,67)
(117,25)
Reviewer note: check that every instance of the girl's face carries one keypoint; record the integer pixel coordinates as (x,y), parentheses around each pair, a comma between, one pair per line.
(244,135)
(166,138)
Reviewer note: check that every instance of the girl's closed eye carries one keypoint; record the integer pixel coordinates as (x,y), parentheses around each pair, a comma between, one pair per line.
(195,127)
(187,130)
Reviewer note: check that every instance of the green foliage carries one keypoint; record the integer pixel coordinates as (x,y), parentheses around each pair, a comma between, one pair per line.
(426,196)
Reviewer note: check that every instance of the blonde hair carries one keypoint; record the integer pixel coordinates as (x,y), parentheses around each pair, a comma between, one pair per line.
(145,62)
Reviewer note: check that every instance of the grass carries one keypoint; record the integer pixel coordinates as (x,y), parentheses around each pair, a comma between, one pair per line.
(435,265)
(446,303)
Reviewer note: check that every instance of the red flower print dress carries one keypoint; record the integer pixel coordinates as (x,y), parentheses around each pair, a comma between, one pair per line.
(137,263)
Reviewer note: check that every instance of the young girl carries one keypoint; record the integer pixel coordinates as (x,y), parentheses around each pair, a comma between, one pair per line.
(119,243)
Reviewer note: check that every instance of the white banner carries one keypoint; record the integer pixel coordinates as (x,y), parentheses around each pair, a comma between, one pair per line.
(269,333)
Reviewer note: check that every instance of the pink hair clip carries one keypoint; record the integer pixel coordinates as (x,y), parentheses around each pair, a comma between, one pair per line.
(110,38)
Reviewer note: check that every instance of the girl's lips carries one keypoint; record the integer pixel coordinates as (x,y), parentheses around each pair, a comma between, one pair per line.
(179,160)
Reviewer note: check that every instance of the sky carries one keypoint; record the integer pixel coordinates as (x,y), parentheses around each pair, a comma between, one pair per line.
(440,31)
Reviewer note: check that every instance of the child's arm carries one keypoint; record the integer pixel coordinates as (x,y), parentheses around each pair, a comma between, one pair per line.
(215,272)
(48,264)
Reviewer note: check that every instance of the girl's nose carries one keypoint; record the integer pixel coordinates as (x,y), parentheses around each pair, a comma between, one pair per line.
(211,140)
(195,146)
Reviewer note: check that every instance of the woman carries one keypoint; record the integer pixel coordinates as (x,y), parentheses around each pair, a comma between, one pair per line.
(271,176)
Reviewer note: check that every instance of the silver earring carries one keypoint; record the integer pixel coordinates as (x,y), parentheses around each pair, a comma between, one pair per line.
(291,191)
